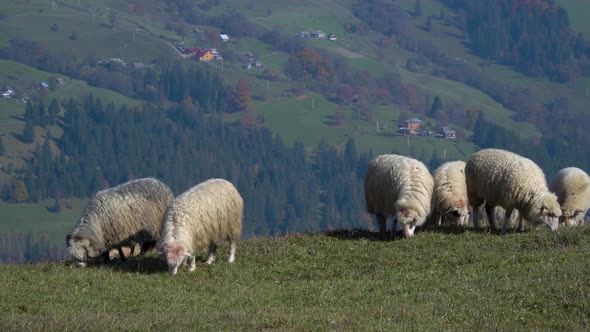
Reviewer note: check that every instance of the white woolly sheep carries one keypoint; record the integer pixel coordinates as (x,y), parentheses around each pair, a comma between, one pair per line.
(198,220)
(449,198)
(502,178)
(572,187)
(120,216)
(399,187)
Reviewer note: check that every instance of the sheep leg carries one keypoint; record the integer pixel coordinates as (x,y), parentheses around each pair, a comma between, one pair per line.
(121,254)
(191,262)
(438,219)
(491,217)
(233,245)
(476,216)
(507,217)
(212,251)
(106,257)
(132,250)
(521,224)
(382,221)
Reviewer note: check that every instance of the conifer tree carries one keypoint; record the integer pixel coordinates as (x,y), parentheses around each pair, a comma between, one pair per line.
(28,134)
(2,147)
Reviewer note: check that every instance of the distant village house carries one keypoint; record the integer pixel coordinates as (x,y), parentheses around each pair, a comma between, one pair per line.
(200,54)
(413,126)
(448,133)
(8,93)
(224,37)
(311,34)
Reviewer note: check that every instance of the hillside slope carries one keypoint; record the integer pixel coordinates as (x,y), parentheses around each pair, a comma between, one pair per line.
(340,281)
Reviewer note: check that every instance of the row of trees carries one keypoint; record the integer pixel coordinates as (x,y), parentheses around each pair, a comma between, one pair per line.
(534,36)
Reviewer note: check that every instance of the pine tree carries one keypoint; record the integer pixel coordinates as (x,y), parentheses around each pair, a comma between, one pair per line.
(428,25)
(53,111)
(417,8)
(2,147)
(436,105)
(28,134)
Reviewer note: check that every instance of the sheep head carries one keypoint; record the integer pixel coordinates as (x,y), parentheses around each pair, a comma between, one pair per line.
(547,210)
(572,217)
(81,249)
(175,256)
(458,213)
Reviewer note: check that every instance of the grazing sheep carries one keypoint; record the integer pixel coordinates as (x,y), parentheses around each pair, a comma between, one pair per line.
(400,187)
(120,216)
(502,178)
(449,198)
(197,220)
(572,187)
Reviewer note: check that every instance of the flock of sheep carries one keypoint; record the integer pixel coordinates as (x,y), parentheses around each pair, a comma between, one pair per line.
(499,183)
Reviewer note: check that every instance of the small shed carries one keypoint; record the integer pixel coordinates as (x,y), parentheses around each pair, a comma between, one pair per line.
(448,133)
(8,93)
(224,37)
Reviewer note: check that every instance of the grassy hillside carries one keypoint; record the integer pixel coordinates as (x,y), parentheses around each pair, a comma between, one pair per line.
(38,218)
(32,20)
(340,281)
(25,81)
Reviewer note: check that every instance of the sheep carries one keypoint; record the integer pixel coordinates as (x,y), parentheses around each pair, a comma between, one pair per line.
(572,187)
(400,187)
(449,198)
(120,216)
(502,178)
(197,220)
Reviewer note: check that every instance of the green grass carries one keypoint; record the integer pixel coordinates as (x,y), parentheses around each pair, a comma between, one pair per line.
(9,109)
(296,121)
(342,281)
(577,12)
(24,80)
(94,39)
(37,218)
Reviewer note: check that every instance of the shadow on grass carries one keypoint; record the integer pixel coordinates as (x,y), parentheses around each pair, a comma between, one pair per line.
(358,234)
(446,229)
(141,264)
